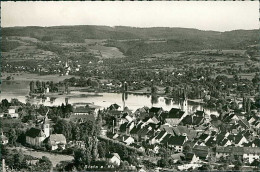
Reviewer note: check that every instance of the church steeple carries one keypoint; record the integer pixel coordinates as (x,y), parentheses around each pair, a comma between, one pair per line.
(184,103)
(46,125)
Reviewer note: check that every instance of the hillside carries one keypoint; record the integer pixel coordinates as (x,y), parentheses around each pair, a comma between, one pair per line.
(138,41)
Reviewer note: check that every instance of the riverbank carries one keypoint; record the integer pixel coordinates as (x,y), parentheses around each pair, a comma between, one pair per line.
(23,76)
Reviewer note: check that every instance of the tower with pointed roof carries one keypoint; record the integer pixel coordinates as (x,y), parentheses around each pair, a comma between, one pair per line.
(184,102)
(46,125)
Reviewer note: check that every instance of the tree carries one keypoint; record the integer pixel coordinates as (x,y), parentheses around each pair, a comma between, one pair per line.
(154,90)
(101,149)
(167,90)
(5,103)
(186,149)
(18,160)
(32,87)
(162,163)
(43,165)
(82,158)
(12,137)
(38,84)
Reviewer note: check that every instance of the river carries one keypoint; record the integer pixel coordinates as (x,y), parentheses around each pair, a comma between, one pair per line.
(20,90)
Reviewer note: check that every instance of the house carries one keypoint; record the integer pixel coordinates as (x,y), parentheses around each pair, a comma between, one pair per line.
(144,132)
(77,144)
(256,124)
(152,120)
(191,120)
(127,127)
(56,141)
(114,107)
(230,117)
(155,111)
(251,154)
(137,146)
(201,151)
(211,142)
(175,142)
(177,157)
(238,140)
(128,140)
(87,110)
(200,113)
(158,138)
(174,116)
(248,154)
(244,123)
(81,118)
(12,112)
(125,118)
(36,135)
(103,131)
(153,148)
(192,158)
(113,158)
(251,119)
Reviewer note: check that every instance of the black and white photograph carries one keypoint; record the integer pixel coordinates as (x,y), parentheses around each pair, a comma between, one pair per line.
(140,86)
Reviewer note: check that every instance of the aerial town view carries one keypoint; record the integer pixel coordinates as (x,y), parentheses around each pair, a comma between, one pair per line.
(149,87)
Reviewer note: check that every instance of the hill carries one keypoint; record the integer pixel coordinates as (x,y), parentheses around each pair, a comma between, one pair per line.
(140,41)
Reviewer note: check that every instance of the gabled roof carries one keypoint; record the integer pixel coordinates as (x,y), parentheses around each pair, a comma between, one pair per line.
(189,156)
(35,132)
(176,131)
(176,140)
(175,113)
(203,136)
(144,131)
(210,142)
(192,120)
(81,118)
(223,142)
(244,122)
(53,138)
(178,156)
(200,113)
(111,155)
(166,138)
(172,121)
(123,127)
(160,135)
(136,128)
(155,110)
(237,138)
(239,150)
(201,151)
(168,129)
(114,107)
(82,110)
(142,110)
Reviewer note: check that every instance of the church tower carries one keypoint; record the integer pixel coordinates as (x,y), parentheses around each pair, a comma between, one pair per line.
(46,125)
(184,103)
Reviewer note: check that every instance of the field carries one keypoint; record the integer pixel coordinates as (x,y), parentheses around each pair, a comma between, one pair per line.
(106,52)
(54,158)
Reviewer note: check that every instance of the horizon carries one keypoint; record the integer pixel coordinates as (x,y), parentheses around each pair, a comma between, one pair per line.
(133,27)
(202,15)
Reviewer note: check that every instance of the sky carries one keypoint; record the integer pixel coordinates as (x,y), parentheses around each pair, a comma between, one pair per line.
(203,15)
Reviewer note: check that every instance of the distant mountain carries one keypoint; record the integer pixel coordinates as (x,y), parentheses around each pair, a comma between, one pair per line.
(175,39)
